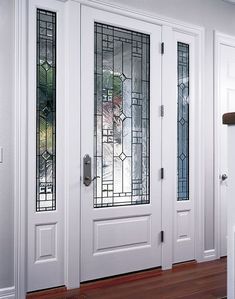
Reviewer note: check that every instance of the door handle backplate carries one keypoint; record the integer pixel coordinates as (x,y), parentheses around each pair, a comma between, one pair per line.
(87,171)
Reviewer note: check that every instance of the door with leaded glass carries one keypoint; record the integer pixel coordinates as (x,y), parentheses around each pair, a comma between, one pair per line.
(120,144)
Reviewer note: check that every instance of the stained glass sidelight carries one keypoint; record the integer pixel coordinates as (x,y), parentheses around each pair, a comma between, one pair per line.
(46,111)
(183,121)
(121,134)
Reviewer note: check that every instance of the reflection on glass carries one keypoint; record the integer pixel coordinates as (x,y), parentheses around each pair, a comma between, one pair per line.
(121,133)
(183,121)
(46,110)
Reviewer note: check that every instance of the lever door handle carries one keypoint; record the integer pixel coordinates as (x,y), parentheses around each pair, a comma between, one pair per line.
(95,177)
(88,180)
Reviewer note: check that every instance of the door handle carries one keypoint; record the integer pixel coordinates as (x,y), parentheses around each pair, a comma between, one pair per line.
(224,177)
(88,180)
(87,171)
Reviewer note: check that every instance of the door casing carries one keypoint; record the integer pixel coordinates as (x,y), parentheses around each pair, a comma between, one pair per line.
(72,91)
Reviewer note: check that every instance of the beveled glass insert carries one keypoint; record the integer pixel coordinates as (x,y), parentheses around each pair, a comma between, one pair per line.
(121,135)
(46,111)
(183,121)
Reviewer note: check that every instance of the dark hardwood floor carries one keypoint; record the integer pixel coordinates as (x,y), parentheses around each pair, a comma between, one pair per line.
(184,281)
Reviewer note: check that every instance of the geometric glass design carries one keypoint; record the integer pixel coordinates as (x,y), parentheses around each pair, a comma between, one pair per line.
(121,117)
(183,122)
(46,111)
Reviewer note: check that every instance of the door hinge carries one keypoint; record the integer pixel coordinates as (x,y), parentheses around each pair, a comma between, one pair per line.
(162,236)
(162,173)
(162,48)
(162,110)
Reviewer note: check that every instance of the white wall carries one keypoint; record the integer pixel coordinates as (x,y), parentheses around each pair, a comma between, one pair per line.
(211,14)
(6,140)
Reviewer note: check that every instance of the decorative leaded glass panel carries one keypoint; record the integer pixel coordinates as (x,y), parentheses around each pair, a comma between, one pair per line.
(46,111)
(183,121)
(121,135)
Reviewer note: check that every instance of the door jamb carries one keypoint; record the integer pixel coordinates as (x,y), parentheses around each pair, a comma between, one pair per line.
(73,165)
(72,268)
(227,40)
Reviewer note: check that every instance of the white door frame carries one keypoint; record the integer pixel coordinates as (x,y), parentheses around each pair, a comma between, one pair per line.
(220,39)
(72,186)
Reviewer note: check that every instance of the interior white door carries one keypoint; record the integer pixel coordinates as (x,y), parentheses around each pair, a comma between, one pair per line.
(121,132)
(227,104)
(45,250)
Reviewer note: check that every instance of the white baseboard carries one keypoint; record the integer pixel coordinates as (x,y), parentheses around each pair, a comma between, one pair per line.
(209,255)
(7,293)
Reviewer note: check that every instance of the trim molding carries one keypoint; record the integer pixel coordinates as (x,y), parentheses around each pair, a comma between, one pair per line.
(7,293)
(209,255)
(143,15)
(228,40)
(20,183)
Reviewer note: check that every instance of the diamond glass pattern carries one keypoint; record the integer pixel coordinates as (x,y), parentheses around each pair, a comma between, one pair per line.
(46,111)
(122,156)
(183,121)
(121,135)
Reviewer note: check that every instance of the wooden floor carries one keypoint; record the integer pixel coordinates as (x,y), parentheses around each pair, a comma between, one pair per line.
(187,281)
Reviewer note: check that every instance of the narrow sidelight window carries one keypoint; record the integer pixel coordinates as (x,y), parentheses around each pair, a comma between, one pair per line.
(183,121)
(46,111)
(121,133)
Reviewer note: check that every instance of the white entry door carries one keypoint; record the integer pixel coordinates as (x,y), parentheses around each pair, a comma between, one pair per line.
(120,144)
(227,104)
